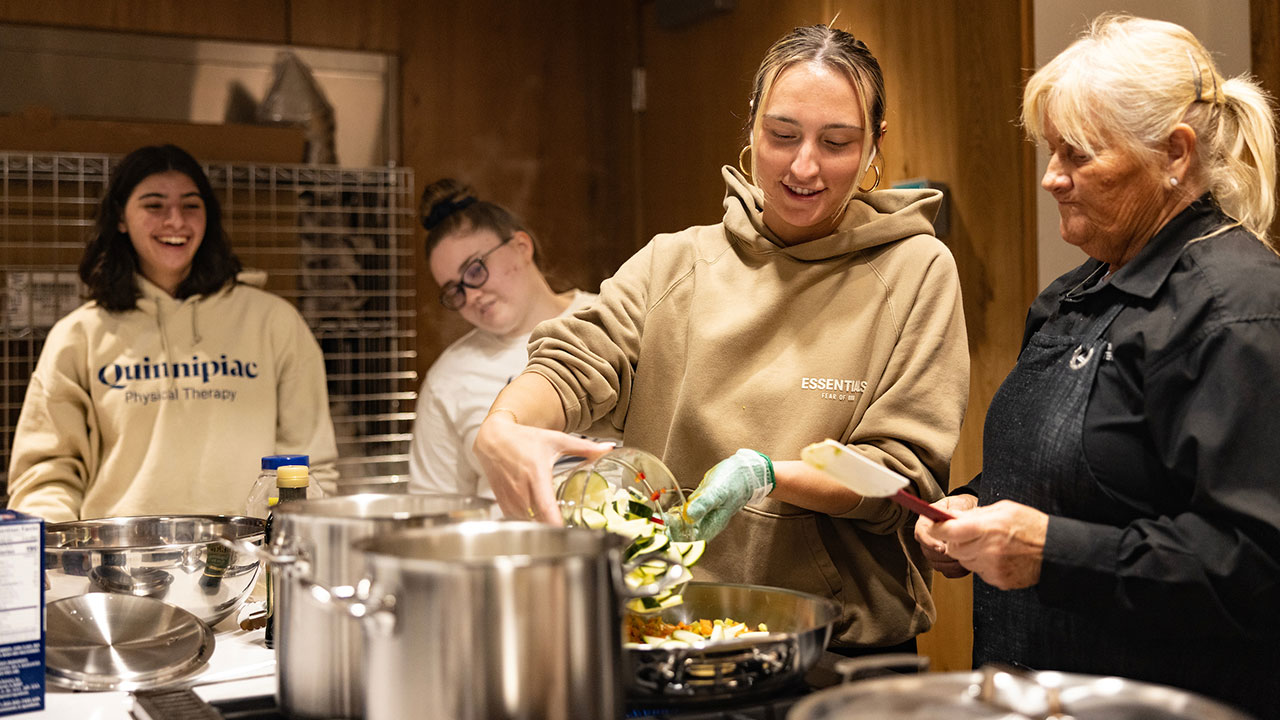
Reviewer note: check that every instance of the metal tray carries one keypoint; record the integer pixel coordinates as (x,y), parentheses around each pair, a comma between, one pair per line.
(109,641)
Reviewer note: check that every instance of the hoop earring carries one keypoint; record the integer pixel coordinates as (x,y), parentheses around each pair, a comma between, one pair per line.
(741,156)
(875,184)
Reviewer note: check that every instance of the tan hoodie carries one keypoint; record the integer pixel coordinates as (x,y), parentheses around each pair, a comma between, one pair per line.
(170,407)
(721,337)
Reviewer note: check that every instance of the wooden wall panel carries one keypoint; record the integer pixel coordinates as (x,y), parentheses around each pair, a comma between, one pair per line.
(698,83)
(249,20)
(1264,24)
(953,78)
(528,102)
(371,25)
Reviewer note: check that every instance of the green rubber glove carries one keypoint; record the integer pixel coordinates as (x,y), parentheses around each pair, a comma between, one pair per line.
(744,477)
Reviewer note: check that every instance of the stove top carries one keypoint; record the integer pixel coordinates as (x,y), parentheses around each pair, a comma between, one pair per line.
(772,707)
(263,707)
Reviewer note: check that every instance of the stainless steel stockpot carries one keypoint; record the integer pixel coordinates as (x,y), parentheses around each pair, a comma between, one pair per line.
(494,620)
(320,669)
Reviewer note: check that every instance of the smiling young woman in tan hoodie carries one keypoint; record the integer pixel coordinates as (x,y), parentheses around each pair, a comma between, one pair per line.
(162,393)
(814,309)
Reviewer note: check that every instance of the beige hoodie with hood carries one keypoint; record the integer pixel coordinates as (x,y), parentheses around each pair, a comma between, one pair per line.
(169,408)
(722,337)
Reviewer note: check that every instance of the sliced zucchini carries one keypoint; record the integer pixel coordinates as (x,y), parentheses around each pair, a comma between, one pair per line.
(646,605)
(639,509)
(686,636)
(593,519)
(690,552)
(587,489)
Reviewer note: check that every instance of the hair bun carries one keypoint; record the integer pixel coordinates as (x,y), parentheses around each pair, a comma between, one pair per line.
(442,199)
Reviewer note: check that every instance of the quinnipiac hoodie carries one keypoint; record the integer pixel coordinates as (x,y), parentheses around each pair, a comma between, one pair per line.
(169,408)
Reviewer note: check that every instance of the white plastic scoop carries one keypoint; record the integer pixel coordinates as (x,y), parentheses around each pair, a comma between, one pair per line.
(867,478)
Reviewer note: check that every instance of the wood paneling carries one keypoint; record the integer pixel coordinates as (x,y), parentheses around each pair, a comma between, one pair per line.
(528,102)
(953,80)
(1264,24)
(251,20)
(372,25)
(698,84)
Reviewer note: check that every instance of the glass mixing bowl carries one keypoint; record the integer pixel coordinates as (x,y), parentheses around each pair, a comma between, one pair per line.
(589,486)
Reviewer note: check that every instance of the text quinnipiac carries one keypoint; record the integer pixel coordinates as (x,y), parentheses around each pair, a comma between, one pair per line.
(118,375)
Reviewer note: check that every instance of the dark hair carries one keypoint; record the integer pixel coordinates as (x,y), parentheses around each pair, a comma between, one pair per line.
(449,206)
(110,262)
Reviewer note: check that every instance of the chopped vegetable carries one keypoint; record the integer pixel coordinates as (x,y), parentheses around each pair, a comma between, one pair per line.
(652,631)
(632,512)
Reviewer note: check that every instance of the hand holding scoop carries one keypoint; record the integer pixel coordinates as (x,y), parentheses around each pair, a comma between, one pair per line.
(867,478)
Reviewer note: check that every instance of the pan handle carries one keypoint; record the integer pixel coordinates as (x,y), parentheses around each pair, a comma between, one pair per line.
(859,668)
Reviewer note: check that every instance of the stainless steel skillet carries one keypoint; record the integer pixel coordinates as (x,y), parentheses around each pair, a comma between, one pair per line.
(799,629)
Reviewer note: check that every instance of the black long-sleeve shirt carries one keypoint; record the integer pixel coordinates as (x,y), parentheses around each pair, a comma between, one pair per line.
(1182,433)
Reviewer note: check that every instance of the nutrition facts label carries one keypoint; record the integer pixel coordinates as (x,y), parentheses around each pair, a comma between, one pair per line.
(20,565)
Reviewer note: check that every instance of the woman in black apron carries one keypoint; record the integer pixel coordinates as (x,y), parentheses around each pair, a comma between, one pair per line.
(1127,519)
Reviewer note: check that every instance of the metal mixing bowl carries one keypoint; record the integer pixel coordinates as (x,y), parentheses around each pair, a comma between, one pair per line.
(175,558)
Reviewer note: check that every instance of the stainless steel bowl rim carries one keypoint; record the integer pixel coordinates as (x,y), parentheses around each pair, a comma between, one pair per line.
(335,510)
(230,520)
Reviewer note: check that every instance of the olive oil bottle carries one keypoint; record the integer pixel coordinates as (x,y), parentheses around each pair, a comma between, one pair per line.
(291,484)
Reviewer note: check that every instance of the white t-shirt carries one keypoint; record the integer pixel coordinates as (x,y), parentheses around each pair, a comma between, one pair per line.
(454,399)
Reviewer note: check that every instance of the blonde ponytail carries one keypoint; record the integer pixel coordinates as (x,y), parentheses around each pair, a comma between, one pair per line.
(1240,157)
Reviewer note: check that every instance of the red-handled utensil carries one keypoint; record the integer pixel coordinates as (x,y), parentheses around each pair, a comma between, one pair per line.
(866,477)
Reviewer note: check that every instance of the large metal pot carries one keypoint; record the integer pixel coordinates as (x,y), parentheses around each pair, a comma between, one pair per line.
(799,628)
(495,620)
(174,558)
(1000,693)
(319,653)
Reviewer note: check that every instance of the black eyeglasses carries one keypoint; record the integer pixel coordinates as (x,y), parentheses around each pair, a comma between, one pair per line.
(474,274)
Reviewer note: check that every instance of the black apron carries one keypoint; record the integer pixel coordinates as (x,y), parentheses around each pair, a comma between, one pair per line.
(1033,454)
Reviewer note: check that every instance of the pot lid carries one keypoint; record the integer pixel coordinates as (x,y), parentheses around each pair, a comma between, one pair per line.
(1000,693)
(110,641)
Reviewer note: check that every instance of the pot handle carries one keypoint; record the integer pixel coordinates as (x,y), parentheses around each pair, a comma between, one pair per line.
(1022,690)
(673,575)
(858,668)
(357,601)
(280,555)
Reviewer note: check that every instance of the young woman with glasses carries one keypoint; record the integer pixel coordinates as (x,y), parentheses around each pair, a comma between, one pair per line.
(487,265)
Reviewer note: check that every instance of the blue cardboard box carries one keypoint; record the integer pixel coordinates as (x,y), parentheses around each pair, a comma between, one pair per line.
(21,613)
